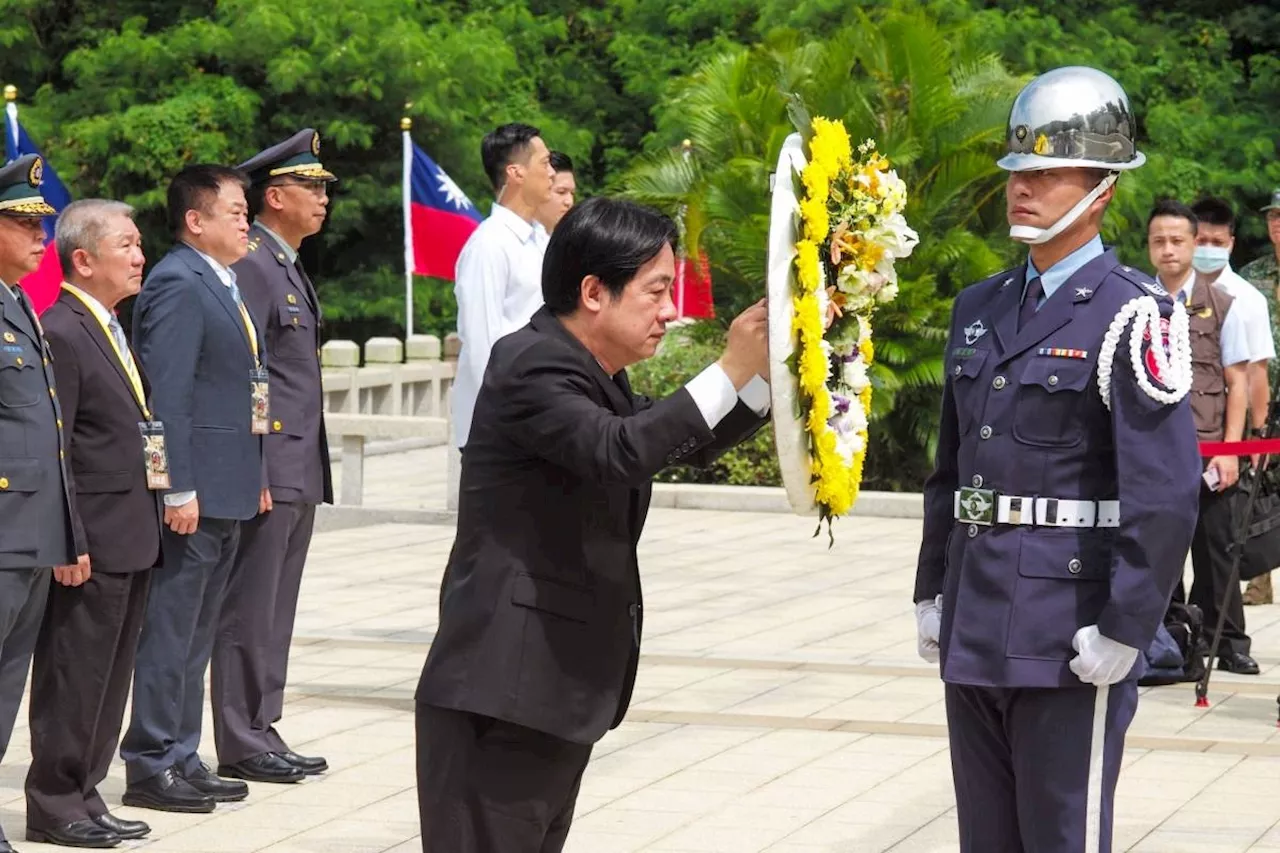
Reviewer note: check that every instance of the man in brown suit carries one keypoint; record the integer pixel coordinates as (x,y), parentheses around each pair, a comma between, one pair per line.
(85,651)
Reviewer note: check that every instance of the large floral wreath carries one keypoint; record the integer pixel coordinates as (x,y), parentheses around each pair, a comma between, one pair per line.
(849,232)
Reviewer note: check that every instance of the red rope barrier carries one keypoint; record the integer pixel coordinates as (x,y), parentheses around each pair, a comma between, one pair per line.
(1239,448)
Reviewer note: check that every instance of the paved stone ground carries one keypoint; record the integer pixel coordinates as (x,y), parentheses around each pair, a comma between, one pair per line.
(780,707)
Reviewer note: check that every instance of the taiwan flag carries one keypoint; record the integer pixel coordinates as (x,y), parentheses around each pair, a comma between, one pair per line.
(692,289)
(438,216)
(41,286)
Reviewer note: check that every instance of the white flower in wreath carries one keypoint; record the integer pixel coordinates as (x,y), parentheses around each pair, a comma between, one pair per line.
(894,191)
(854,374)
(895,235)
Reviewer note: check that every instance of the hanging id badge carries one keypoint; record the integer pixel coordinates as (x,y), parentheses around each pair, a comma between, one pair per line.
(155,458)
(260,400)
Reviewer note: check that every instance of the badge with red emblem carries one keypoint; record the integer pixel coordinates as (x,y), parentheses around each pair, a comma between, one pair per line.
(1149,359)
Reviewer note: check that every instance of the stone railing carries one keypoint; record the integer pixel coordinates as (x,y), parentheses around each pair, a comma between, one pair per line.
(401,392)
(410,377)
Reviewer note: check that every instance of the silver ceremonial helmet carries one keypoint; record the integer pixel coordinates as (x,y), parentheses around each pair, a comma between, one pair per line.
(1072,117)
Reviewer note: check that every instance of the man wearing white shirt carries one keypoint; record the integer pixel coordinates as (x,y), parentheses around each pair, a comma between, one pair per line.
(1212,261)
(204,355)
(498,278)
(1219,400)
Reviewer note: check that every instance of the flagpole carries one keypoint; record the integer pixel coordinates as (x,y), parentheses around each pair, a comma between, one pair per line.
(406,125)
(686,146)
(11,112)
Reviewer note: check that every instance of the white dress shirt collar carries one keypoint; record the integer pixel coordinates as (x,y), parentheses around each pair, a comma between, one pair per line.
(522,228)
(225,274)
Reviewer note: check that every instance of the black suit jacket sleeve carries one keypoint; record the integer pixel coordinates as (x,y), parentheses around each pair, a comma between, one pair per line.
(548,409)
(170,326)
(740,424)
(66,373)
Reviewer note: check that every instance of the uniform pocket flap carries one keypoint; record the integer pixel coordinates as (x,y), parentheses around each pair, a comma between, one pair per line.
(549,596)
(20,475)
(292,315)
(101,482)
(969,366)
(1065,555)
(1055,374)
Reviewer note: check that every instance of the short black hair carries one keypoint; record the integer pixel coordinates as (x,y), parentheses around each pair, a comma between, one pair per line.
(606,237)
(504,146)
(560,162)
(1173,207)
(195,188)
(1215,211)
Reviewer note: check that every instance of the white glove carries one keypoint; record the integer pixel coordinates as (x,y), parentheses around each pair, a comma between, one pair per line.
(1101,660)
(928,626)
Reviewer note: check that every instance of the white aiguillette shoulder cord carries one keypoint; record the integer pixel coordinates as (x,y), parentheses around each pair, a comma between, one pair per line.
(1176,367)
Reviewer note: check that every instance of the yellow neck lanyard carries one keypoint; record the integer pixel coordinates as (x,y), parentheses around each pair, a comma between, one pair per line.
(130,369)
(250,331)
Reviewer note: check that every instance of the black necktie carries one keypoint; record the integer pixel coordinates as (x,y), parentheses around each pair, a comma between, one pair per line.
(1030,300)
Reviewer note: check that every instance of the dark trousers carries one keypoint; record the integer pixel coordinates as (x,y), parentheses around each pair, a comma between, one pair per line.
(1211,573)
(79,688)
(251,653)
(23,593)
(1035,769)
(175,647)
(489,786)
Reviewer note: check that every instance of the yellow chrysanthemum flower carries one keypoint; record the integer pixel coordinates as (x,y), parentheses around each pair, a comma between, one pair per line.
(808,268)
(817,224)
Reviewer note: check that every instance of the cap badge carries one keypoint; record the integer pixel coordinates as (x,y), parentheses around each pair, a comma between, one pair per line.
(315,144)
(36,176)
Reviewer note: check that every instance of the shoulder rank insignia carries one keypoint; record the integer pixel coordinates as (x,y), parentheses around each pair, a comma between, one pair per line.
(254,243)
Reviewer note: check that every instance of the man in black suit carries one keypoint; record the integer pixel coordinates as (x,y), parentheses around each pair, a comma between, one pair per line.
(36,534)
(539,635)
(204,356)
(289,194)
(84,655)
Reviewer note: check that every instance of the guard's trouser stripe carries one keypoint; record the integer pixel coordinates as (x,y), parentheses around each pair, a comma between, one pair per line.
(1093,795)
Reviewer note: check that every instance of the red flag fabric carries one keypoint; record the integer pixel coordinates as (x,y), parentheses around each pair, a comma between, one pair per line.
(693,288)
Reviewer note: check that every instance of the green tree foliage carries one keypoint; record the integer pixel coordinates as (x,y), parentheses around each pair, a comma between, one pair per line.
(120,95)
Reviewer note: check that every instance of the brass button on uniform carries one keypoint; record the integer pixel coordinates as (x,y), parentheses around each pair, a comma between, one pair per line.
(985,432)
(1074,566)
(999,382)
(1053,380)
(20,362)
(4,482)
(973,531)
(277,426)
(957,370)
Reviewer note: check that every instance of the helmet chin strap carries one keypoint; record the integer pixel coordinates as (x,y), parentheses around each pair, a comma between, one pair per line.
(1035,236)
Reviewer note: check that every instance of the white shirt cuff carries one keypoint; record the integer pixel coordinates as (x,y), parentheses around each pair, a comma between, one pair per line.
(179,498)
(715,395)
(755,395)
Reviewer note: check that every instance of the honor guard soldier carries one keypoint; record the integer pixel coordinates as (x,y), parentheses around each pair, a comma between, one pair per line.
(1059,514)
(37,534)
(289,196)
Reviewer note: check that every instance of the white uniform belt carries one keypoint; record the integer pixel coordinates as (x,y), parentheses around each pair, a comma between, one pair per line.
(986,507)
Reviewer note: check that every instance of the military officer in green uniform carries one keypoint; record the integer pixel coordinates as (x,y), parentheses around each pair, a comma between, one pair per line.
(289,198)
(37,535)
(1264,274)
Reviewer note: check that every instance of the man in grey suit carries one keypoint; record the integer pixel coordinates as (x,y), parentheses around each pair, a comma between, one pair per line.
(37,534)
(251,655)
(203,353)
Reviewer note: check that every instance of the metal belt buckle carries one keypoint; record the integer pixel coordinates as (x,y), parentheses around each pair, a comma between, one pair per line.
(977,506)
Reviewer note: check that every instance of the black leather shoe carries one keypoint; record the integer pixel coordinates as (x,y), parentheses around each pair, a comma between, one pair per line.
(306,764)
(1238,662)
(78,833)
(221,790)
(268,767)
(167,791)
(124,828)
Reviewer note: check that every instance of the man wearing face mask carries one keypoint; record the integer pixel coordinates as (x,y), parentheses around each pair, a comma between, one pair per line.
(1061,506)
(1212,261)
(1264,274)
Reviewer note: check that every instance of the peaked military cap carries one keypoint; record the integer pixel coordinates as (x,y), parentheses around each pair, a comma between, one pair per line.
(20,188)
(299,156)
(1275,201)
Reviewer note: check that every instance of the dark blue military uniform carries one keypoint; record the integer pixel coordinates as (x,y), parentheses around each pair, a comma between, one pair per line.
(1024,436)
(36,533)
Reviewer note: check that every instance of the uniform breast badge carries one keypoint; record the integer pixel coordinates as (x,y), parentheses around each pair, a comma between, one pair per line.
(973,332)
